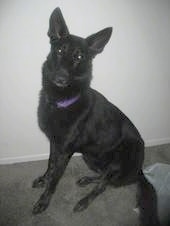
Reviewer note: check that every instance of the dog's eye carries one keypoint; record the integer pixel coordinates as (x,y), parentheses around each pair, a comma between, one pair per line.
(59,51)
(77,55)
(78,58)
(62,49)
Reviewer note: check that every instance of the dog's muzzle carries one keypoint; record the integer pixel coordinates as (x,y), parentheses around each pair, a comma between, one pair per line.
(62,79)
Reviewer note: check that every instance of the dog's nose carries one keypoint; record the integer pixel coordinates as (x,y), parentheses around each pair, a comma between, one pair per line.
(62,78)
(61,82)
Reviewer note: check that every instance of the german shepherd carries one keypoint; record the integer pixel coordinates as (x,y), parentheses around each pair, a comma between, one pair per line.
(77,118)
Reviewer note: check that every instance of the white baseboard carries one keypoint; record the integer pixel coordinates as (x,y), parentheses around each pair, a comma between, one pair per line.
(154,142)
(26,158)
(45,156)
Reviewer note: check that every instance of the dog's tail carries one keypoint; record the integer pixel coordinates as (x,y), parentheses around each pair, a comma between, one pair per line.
(147,202)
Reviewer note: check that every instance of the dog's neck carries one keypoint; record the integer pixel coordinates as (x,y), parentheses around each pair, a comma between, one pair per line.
(67,102)
(64,99)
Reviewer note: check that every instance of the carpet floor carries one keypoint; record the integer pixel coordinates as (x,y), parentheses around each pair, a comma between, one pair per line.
(112,208)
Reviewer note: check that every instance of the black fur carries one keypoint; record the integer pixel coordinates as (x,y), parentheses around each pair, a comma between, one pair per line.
(107,139)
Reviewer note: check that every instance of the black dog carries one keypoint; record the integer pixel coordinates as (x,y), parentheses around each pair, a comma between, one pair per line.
(76,118)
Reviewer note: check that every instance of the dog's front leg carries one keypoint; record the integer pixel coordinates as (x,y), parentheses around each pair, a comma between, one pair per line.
(42,181)
(60,161)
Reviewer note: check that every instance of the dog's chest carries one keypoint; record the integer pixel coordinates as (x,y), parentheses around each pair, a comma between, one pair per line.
(54,121)
(60,123)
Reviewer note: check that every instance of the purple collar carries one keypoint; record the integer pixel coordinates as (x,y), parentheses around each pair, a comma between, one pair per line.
(67,102)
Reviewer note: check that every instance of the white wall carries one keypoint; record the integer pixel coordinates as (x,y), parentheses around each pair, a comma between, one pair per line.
(133,71)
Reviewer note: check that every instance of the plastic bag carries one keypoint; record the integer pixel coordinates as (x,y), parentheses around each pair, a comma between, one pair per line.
(159,176)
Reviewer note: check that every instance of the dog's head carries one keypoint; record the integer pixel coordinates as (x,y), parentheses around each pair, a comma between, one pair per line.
(68,65)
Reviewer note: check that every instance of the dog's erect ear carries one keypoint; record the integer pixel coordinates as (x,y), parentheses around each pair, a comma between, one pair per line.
(97,41)
(57,25)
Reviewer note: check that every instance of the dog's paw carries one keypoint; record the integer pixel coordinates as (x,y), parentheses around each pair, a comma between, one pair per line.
(81,205)
(40,206)
(39,182)
(83,181)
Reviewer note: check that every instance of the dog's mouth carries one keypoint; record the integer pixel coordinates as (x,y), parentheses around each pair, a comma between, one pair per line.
(60,84)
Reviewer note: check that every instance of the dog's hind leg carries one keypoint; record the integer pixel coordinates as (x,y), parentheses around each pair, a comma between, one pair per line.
(83,181)
(102,182)
(85,202)
(86,180)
